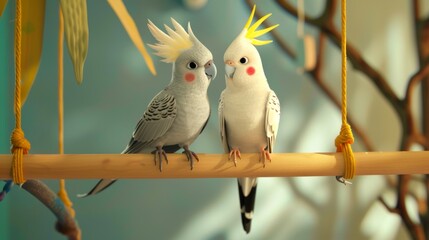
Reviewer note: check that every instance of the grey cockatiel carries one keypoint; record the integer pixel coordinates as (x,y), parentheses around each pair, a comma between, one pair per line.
(249,111)
(178,114)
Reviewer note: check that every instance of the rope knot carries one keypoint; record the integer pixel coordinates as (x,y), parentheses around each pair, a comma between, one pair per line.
(343,143)
(19,141)
(20,146)
(345,137)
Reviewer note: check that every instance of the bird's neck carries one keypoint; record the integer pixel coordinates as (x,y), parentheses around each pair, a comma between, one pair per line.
(193,89)
(248,86)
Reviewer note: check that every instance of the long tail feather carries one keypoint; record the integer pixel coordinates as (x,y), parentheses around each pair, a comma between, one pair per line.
(101,185)
(247,193)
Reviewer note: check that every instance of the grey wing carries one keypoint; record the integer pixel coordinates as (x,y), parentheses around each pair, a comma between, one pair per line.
(272,119)
(222,125)
(156,121)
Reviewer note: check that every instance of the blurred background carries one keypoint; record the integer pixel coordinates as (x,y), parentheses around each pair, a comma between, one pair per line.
(101,114)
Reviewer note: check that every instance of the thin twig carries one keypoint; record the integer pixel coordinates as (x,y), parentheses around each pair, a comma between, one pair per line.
(417,78)
(411,134)
(414,229)
(389,208)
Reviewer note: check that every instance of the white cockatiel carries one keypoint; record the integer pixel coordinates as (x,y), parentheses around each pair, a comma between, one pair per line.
(178,114)
(249,111)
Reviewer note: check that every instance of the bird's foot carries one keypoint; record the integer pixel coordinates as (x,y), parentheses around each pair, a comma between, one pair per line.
(264,156)
(234,154)
(159,154)
(190,156)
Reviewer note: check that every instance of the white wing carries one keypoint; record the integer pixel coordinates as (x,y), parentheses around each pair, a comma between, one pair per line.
(155,122)
(272,119)
(222,125)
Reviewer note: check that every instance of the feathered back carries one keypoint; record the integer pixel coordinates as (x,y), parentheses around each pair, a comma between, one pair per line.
(250,30)
(171,44)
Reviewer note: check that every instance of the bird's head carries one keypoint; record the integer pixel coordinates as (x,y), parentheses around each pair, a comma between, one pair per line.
(193,64)
(243,63)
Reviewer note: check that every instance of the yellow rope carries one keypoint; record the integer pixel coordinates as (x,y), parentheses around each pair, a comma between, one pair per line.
(62,193)
(345,138)
(20,145)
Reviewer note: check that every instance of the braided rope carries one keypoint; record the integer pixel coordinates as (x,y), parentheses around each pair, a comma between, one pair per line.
(344,140)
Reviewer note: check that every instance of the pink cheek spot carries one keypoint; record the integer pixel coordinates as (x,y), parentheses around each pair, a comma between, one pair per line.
(250,71)
(189,77)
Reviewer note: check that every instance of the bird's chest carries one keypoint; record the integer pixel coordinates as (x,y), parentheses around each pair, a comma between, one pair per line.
(245,121)
(192,111)
(192,114)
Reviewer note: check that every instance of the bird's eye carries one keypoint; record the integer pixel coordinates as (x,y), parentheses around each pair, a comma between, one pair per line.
(244,60)
(192,65)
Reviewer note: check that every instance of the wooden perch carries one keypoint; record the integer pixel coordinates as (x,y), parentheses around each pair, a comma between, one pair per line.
(90,166)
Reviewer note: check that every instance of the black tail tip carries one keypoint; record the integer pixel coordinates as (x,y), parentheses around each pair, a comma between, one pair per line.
(246,227)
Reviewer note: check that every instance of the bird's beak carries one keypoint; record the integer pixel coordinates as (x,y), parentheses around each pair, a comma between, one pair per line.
(229,69)
(210,70)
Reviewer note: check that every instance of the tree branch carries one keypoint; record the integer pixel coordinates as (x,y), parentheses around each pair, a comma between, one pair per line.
(66,223)
(355,58)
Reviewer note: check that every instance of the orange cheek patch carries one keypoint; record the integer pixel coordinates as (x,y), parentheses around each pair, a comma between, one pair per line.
(189,77)
(250,71)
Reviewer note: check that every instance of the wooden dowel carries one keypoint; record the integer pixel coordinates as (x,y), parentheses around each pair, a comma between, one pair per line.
(94,166)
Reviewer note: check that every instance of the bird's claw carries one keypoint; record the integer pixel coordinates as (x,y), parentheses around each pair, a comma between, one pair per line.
(233,154)
(264,156)
(159,154)
(190,156)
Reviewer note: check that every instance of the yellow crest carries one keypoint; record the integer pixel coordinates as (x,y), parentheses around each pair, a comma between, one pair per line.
(171,44)
(252,33)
